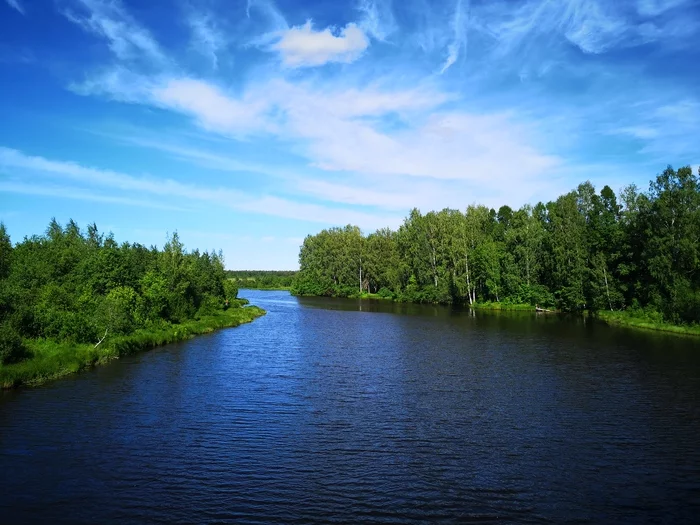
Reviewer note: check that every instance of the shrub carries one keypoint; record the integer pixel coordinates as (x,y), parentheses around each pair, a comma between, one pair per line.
(385,293)
(11,347)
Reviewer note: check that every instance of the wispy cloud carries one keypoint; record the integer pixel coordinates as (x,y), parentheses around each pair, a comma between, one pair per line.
(377,18)
(12,160)
(662,128)
(268,10)
(127,39)
(15,4)
(73,193)
(303,46)
(658,7)
(207,39)
(460,22)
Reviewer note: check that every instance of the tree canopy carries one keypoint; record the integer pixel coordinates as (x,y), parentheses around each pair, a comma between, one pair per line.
(584,250)
(75,286)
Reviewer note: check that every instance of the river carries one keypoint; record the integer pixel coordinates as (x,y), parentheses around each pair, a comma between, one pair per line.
(341,411)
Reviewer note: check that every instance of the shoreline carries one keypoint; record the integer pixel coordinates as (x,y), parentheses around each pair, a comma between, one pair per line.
(627,320)
(519,307)
(52,359)
(618,318)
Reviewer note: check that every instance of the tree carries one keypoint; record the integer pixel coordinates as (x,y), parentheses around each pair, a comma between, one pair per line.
(5,252)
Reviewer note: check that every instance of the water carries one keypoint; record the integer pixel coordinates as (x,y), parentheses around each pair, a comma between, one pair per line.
(337,411)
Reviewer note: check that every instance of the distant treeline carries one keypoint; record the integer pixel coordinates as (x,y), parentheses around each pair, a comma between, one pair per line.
(74,286)
(262,279)
(585,250)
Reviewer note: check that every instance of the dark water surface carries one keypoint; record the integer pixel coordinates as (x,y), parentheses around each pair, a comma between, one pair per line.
(330,411)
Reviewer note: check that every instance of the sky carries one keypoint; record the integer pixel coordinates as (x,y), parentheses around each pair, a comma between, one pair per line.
(245,125)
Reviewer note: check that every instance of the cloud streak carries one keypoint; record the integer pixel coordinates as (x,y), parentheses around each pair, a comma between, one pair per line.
(460,22)
(207,39)
(15,4)
(14,161)
(128,40)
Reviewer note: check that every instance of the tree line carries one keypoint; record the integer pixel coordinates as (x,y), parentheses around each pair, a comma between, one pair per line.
(262,279)
(70,285)
(585,250)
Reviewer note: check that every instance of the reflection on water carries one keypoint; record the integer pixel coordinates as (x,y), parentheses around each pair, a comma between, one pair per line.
(342,411)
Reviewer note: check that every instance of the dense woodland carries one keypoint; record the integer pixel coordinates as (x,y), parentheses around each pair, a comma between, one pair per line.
(585,250)
(262,279)
(73,286)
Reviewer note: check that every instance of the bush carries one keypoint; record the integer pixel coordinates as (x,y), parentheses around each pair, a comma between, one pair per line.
(209,305)
(230,289)
(11,347)
(385,293)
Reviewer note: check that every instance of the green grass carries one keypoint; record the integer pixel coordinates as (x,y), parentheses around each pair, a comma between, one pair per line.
(503,306)
(640,319)
(52,359)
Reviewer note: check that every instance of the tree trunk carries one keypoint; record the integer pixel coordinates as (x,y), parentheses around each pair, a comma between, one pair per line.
(607,290)
(360,275)
(469,286)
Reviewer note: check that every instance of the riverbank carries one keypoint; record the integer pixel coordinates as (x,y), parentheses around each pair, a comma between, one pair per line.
(273,289)
(645,321)
(522,307)
(51,359)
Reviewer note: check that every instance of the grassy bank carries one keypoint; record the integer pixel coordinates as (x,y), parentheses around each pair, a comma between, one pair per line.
(51,359)
(646,321)
(503,306)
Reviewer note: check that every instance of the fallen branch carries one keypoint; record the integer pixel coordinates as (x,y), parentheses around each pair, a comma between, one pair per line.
(103,338)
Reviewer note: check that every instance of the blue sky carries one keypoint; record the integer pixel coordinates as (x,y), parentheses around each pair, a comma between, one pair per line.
(246,125)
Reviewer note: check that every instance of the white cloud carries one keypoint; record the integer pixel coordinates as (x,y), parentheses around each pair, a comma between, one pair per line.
(344,130)
(15,4)
(302,46)
(212,108)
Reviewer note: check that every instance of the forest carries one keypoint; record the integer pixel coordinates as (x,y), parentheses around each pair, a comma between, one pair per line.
(636,251)
(262,279)
(72,287)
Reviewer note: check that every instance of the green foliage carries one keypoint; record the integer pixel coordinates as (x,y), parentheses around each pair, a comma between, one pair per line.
(230,289)
(118,311)
(51,359)
(582,251)
(81,288)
